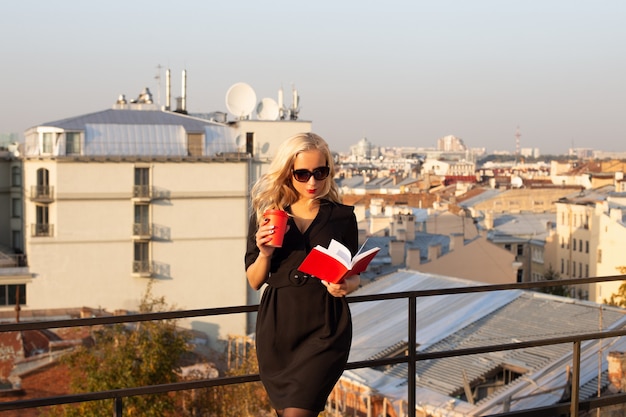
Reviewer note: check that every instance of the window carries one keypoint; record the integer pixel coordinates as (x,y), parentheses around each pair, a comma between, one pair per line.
(16,240)
(42,226)
(42,189)
(141,257)
(47,143)
(507,246)
(16,207)
(573,244)
(250,143)
(586,246)
(520,275)
(580,245)
(142,220)
(9,294)
(562,242)
(580,270)
(142,182)
(562,266)
(16,176)
(490,382)
(599,256)
(586,270)
(520,250)
(72,143)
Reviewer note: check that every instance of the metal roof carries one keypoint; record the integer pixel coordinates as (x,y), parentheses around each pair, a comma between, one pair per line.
(132,117)
(470,320)
(124,132)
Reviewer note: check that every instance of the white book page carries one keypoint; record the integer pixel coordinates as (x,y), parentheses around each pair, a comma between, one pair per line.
(337,251)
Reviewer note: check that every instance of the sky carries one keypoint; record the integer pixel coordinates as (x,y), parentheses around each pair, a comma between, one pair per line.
(399,73)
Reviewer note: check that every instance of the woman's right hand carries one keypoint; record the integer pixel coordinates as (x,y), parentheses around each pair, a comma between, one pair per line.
(263,237)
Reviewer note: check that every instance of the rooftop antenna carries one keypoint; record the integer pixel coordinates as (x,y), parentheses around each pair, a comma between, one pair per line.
(295,104)
(281,105)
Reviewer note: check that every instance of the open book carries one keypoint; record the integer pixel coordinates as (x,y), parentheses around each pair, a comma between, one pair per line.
(334,263)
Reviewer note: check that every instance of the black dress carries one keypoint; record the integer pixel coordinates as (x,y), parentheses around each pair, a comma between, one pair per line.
(303,334)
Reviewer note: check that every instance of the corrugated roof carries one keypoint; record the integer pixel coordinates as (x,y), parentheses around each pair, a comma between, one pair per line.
(132,117)
(471,320)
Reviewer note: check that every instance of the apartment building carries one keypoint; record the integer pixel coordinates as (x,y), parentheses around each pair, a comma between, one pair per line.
(117,197)
(591,229)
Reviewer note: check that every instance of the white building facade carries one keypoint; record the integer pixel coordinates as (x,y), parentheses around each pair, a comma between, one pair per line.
(118,197)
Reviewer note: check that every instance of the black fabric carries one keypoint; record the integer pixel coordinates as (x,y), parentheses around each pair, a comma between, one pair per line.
(303,333)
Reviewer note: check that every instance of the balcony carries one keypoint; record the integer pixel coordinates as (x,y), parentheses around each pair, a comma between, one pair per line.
(142,269)
(411,356)
(142,231)
(42,230)
(142,193)
(42,193)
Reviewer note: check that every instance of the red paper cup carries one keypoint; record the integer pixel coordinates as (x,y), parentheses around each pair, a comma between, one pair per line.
(278,219)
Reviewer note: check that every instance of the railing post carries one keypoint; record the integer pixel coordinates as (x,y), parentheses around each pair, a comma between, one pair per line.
(575,379)
(412,354)
(118,407)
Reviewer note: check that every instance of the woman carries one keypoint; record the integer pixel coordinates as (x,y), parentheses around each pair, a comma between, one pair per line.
(304,328)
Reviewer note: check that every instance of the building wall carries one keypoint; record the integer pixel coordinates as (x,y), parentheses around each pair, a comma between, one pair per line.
(197,246)
(610,244)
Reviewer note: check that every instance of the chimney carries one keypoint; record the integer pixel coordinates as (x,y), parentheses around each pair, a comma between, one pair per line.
(184,92)
(413,259)
(396,251)
(617,371)
(456,241)
(434,251)
(489,220)
(168,90)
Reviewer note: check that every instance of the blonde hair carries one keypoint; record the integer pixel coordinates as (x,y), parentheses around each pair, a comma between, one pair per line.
(274,189)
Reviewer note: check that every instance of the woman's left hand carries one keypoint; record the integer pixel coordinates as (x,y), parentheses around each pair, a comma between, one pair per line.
(344,287)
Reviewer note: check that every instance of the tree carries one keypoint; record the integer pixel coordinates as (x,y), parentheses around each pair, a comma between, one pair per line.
(123,356)
(237,400)
(552,275)
(618,299)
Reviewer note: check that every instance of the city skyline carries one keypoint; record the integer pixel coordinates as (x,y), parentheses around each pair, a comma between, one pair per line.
(400,74)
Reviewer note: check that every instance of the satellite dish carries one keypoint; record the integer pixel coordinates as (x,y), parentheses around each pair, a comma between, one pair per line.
(240,100)
(267,109)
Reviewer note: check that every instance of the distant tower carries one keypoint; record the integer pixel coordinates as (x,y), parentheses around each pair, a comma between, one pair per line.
(517,145)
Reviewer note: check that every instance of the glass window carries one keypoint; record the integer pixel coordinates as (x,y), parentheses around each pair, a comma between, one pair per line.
(72,143)
(16,207)
(17,241)
(580,245)
(573,244)
(142,182)
(47,143)
(586,246)
(10,293)
(16,176)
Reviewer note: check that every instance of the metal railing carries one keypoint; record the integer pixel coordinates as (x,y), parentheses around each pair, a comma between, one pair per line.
(42,230)
(42,193)
(572,408)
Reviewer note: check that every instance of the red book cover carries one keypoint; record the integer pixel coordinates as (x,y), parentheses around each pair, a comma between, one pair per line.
(334,263)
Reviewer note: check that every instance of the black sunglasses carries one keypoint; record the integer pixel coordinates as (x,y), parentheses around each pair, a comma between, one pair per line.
(304,175)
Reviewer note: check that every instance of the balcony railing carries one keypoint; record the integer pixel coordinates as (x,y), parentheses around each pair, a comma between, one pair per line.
(142,268)
(42,193)
(42,230)
(573,408)
(12,260)
(142,231)
(142,192)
